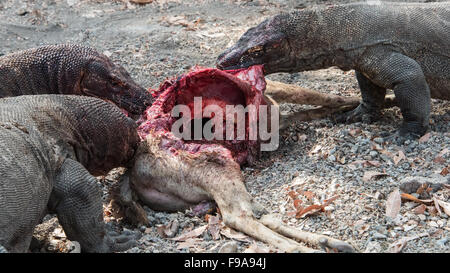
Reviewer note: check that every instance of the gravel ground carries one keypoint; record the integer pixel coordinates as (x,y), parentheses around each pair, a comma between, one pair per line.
(315,161)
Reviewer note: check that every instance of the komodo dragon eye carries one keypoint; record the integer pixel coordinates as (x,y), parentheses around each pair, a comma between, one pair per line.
(116,82)
(255,51)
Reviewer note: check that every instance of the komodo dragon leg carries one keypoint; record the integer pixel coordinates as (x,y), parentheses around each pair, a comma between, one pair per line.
(392,70)
(372,102)
(76,199)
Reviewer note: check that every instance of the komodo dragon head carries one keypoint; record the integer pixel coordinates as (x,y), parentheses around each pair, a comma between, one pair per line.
(102,78)
(264,44)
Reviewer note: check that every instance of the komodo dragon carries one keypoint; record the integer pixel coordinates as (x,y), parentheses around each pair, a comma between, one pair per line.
(50,147)
(399,46)
(71,70)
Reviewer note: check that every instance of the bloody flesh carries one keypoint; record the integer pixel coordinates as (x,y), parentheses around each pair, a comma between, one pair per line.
(215,87)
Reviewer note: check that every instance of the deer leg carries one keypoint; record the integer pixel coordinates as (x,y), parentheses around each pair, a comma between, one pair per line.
(277,92)
(289,93)
(247,224)
(311,238)
(240,211)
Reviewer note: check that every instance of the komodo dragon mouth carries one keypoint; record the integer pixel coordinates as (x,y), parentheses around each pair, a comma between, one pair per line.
(241,87)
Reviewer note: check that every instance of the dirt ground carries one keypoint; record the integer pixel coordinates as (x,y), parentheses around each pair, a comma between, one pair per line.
(316,160)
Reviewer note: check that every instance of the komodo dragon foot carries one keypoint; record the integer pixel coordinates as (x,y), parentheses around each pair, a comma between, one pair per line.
(361,113)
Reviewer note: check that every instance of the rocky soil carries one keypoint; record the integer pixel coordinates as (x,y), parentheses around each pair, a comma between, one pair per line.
(316,161)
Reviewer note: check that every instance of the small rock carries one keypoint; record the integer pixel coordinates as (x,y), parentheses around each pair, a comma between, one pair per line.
(151,220)
(378,140)
(59,233)
(230,247)
(442,242)
(422,217)
(107,53)
(378,195)
(407,228)
(379,236)
(74,247)
(373,247)
(71,2)
(433,224)
(22,12)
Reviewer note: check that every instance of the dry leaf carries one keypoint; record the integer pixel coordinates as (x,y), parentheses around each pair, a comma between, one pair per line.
(439,160)
(302,137)
(415,199)
(373,163)
(420,209)
(190,234)
(297,203)
(189,243)
(293,194)
(423,187)
(367,163)
(214,226)
(369,175)
(399,157)
(445,206)
(376,146)
(425,138)
(397,246)
(443,152)
(316,149)
(326,202)
(444,171)
(180,20)
(308,194)
(235,235)
(355,132)
(393,204)
(308,211)
(436,205)
(169,230)
(293,213)
(302,212)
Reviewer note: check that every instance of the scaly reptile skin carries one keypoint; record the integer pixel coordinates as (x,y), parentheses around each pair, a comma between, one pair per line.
(71,70)
(399,46)
(50,147)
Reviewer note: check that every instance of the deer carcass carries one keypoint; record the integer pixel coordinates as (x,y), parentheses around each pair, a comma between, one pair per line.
(174,173)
